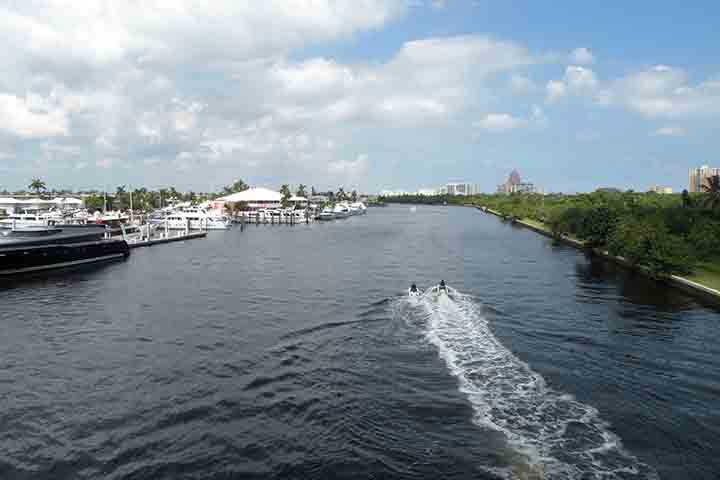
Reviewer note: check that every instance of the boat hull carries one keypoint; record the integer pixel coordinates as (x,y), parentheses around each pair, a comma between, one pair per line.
(36,258)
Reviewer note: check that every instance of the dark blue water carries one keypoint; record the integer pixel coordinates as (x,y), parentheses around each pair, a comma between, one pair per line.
(290,352)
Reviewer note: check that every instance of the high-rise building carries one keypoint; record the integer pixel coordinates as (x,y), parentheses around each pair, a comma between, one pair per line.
(699,177)
(461,189)
(514,184)
(661,189)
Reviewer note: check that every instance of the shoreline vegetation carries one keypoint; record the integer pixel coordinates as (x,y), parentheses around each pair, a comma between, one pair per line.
(670,237)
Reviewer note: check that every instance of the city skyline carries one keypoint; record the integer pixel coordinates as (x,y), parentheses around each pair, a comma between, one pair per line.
(368,94)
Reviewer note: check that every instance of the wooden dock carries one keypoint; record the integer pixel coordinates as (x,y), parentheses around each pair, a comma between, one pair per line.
(160,239)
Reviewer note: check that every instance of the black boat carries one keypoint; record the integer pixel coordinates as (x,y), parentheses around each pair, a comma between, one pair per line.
(34,249)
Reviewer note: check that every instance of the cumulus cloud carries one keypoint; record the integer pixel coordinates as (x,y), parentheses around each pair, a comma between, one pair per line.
(500,122)
(522,85)
(576,81)
(188,86)
(31,117)
(349,168)
(582,56)
(669,132)
(664,91)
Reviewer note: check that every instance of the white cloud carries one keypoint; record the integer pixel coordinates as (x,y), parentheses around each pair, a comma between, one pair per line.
(664,91)
(576,81)
(657,92)
(669,132)
(438,4)
(522,85)
(105,163)
(188,85)
(31,117)
(105,32)
(500,122)
(349,168)
(582,56)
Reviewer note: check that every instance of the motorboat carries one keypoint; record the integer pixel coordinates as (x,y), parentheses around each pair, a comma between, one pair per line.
(341,210)
(326,214)
(33,249)
(414,292)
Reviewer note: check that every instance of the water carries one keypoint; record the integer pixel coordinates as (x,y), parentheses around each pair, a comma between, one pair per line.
(291,352)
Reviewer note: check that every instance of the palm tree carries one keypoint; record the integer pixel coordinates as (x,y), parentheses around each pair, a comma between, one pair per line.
(237,186)
(300,191)
(37,185)
(712,190)
(285,190)
(340,195)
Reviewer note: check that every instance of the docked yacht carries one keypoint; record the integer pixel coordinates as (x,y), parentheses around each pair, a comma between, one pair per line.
(32,218)
(192,218)
(326,214)
(341,210)
(33,249)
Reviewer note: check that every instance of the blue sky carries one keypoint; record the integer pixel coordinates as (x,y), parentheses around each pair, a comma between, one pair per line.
(368,94)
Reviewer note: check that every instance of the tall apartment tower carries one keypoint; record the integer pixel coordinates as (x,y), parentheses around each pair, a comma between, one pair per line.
(699,177)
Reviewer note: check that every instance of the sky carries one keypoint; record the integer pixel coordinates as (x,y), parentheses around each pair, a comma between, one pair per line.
(365,94)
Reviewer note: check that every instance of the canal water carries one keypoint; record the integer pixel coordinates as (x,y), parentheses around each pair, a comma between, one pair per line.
(293,352)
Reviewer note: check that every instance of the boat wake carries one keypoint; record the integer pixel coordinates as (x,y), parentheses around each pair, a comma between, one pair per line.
(554,435)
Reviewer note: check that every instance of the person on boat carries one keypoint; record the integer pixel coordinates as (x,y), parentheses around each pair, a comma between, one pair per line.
(413,288)
(442,285)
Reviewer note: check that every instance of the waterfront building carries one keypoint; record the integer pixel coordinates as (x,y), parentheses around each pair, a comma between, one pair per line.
(462,188)
(256,198)
(661,189)
(700,176)
(514,184)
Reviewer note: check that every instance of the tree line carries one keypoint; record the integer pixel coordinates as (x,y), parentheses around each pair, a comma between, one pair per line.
(145,200)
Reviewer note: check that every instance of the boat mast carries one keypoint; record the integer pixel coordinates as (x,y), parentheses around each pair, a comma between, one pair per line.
(131,206)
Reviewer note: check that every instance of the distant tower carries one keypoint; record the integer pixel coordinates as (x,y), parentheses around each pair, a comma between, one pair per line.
(514,178)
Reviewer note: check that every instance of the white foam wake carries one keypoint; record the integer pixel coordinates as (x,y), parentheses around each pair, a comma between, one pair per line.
(558,436)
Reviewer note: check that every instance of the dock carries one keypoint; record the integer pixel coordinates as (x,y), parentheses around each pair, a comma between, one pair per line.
(163,238)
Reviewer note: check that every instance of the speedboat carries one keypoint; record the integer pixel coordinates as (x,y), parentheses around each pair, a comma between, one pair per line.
(414,293)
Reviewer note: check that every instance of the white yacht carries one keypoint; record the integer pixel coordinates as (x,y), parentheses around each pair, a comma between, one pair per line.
(33,218)
(193,218)
(341,210)
(326,214)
